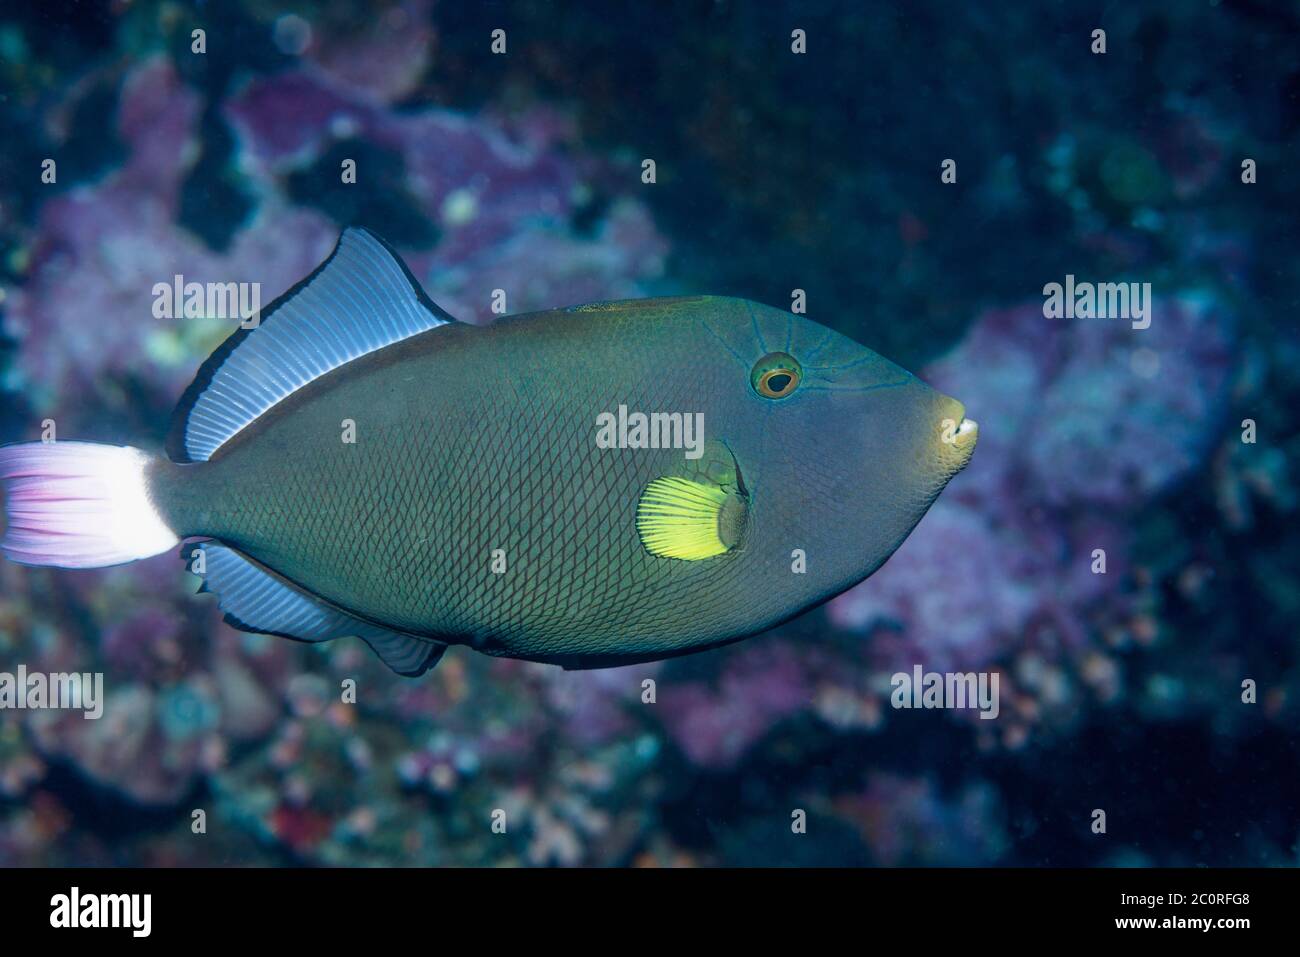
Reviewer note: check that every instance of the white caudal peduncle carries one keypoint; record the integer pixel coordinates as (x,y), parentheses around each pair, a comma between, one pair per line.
(79,505)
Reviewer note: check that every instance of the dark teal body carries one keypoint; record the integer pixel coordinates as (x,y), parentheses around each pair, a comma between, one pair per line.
(475,504)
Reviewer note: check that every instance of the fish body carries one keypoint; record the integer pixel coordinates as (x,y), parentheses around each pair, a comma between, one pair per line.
(587,486)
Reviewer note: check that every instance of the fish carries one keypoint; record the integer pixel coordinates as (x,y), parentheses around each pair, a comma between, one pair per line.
(592,486)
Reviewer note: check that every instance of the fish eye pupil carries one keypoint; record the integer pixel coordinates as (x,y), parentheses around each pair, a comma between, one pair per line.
(776,375)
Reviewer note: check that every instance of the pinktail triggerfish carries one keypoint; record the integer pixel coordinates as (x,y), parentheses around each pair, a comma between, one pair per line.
(590,486)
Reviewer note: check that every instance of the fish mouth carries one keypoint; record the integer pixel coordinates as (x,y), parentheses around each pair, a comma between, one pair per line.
(967,433)
(957,436)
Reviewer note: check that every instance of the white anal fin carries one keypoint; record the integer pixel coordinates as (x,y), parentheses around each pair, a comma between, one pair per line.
(256,599)
(361,299)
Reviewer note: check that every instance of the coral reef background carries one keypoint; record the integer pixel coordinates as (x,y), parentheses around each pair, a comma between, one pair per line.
(775,171)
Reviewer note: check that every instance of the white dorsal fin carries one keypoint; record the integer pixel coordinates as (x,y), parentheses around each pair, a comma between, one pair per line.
(360,299)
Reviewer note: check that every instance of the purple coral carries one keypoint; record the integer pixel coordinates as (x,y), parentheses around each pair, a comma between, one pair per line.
(1079,422)
(86,309)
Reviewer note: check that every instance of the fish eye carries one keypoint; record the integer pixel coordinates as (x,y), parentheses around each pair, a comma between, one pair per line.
(776,375)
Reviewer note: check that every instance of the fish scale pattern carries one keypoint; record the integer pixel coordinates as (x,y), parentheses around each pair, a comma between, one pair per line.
(480,508)
(476,506)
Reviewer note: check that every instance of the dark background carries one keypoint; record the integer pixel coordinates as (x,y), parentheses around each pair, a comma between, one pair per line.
(775,171)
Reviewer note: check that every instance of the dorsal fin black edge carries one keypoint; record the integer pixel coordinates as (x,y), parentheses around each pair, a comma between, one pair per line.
(175,444)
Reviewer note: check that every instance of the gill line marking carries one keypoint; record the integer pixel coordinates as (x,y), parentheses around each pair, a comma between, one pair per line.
(734,354)
(753,321)
(847,365)
(861,388)
(830,334)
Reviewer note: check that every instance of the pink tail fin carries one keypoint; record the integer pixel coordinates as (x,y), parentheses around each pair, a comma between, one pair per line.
(79,505)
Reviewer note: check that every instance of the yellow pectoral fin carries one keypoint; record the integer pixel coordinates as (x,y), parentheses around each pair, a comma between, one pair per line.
(680,518)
